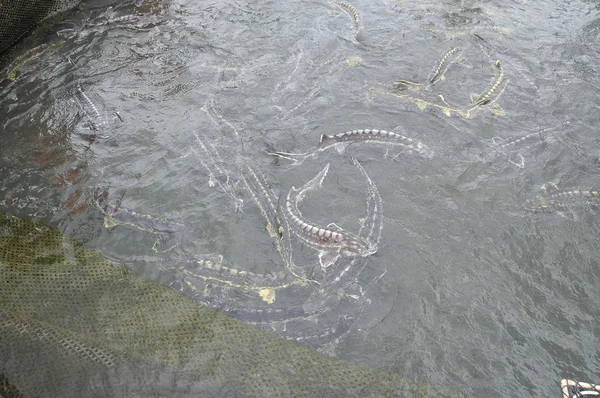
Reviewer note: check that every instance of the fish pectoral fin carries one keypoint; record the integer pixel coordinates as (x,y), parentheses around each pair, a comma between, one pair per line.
(406,84)
(497,110)
(474,98)
(441,97)
(328,257)
(396,156)
(294,157)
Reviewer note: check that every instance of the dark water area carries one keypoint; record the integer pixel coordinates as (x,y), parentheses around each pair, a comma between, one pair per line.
(169,109)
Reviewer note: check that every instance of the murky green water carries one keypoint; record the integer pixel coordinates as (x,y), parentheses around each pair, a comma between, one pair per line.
(478,293)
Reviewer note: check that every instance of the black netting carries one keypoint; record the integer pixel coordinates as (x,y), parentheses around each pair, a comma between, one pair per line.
(17,17)
(578,389)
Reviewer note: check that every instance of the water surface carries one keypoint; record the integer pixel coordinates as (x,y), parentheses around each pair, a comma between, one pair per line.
(478,293)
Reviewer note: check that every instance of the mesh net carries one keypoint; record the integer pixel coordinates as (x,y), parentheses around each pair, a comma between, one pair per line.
(17,17)
(74,324)
(577,389)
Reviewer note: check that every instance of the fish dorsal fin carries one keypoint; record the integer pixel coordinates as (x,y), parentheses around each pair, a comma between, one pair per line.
(294,157)
(406,85)
(497,110)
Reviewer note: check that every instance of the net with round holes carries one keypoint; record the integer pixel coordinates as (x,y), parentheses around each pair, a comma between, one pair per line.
(74,324)
(17,17)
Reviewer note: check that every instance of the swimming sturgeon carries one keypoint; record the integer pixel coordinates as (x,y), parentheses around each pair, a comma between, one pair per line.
(369,136)
(437,74)
(335,286)
(97,121)
(494,88)
(332,243)
(554,199)
(168,228)
(342,278)
(512,149)
(211,160)
(490,97)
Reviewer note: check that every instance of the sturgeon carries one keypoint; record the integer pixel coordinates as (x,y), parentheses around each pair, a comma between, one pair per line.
(554,199)
(324,295)
(437,74)
(211,161)
(353,13)
(115,215)
(98,121)
(369,136)
(372,136)
(507,145)
(489,98)
(213,268)
(339,278)
(496,88)
(169,228)
(370,231)
(448,59)
(511,149)
(333,242)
